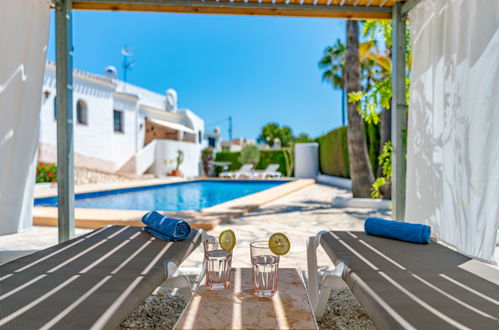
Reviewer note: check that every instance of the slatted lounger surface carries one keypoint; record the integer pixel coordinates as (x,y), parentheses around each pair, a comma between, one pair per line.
(93,281)
(406,285)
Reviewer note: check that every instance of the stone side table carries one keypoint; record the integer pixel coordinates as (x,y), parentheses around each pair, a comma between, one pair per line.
(237,308)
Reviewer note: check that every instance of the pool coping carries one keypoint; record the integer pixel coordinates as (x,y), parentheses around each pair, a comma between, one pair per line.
(207,218)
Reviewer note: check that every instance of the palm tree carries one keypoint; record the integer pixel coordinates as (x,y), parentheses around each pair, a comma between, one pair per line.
(374,67)
(333,63)
(360,167)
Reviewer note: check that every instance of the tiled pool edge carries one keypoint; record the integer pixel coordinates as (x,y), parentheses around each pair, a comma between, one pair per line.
(207,218)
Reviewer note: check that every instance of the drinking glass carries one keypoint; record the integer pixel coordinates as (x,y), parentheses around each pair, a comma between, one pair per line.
(218,265)
(265,265)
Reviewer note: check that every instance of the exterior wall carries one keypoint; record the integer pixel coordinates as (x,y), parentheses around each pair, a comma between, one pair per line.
(166,155)
(197,124)
(145,158)
(229,147)
(96,144)
(125,145)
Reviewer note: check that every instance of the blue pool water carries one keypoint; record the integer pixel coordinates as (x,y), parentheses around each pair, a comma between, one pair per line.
(192,195)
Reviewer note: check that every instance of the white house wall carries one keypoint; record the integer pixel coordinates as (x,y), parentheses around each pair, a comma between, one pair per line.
(166,155)
(126,144)
(197,123)
(97,146)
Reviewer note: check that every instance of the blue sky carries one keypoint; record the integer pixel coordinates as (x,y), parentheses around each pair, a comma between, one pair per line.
(255,69)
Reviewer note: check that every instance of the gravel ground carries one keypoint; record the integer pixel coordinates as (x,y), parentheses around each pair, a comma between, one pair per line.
(86,176)
(162,309)
(159,311)
(343,311)
(299,215)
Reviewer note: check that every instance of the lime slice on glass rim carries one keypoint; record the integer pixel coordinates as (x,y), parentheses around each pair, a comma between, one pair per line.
(227,240)
(279,244)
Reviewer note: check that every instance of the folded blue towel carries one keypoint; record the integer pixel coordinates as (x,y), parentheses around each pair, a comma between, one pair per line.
(403,231)
(168,229)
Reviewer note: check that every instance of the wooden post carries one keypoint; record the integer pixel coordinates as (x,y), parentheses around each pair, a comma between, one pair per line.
(398,112)
(64,108)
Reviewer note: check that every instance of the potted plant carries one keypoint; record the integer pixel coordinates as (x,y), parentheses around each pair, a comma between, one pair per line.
(180,160)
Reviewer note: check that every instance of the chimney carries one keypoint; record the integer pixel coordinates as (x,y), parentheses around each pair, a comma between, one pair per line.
(171,100)
(110,73)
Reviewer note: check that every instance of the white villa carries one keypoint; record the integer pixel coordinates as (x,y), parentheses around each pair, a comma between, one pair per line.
(120,127)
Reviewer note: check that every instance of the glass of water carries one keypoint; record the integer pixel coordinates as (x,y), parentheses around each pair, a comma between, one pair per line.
(265,266)
(218,265)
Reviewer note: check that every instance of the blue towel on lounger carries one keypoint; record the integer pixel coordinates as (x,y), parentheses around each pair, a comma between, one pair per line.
(402,231)
(168,229)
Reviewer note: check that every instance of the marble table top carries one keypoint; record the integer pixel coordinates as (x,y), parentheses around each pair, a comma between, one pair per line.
(237,308)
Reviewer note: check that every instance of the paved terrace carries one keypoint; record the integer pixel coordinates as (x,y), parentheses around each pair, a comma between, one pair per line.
(300,214)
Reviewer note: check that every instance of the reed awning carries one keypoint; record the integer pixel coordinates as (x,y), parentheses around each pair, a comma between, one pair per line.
(172,125)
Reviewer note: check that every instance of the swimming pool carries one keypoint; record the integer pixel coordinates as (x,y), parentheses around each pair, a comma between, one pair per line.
(179,196)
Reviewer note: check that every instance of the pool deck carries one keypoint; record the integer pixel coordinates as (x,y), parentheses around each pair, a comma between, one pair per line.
(207,218)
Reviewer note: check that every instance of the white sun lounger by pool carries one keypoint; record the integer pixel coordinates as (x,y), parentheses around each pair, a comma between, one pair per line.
(90,282)
(245,170)
(270,172)
(404,285)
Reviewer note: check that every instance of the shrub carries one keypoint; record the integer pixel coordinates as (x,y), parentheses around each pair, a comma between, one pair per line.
(250,154)
(46,173)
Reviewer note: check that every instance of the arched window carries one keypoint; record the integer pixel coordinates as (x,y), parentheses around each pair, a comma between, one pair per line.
(81,113)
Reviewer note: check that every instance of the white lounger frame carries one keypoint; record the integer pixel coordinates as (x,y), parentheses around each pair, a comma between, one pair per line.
(319,289)
(182,282)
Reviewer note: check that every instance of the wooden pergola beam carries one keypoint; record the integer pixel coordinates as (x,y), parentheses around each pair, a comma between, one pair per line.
(64,70)
(237,8)
(64,108)
(398,112)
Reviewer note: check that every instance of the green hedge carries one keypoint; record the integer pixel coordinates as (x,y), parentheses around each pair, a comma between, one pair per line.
(333,150)
(226,156)
(373,140)
(333,153)
(267,157)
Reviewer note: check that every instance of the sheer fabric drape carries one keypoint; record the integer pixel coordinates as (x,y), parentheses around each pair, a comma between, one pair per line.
(24,26)
(453,133)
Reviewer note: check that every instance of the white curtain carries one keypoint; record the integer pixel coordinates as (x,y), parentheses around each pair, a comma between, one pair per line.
(453,134)
(24,26)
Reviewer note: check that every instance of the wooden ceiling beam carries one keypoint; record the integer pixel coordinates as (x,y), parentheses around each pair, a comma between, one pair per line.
(237,8)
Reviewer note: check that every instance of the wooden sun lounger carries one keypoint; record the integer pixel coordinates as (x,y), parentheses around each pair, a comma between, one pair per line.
(91,282)
(407,286)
